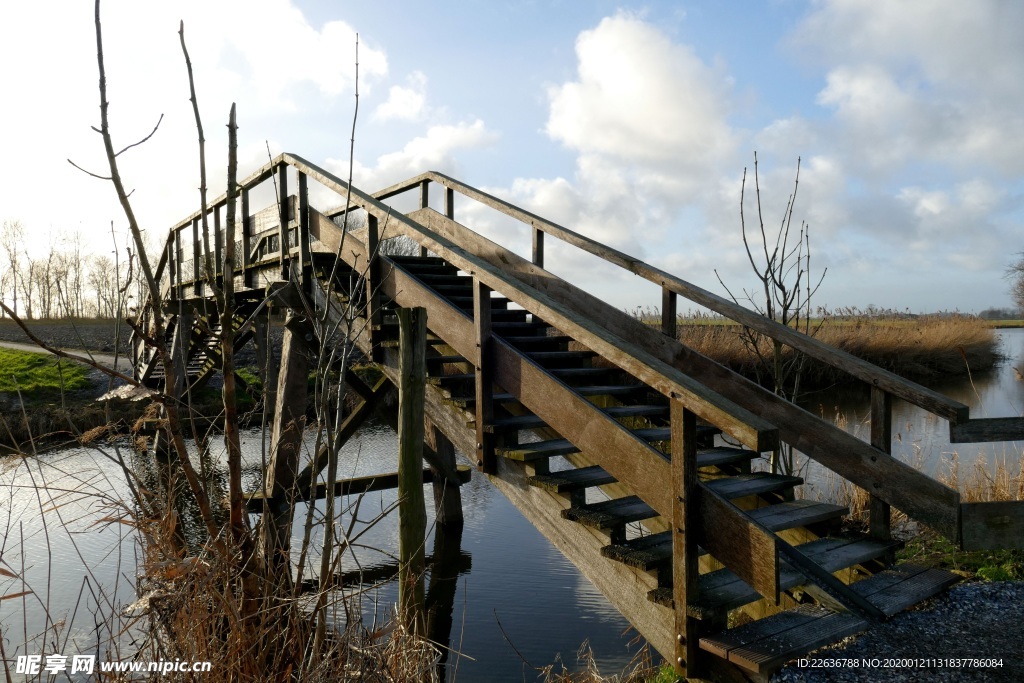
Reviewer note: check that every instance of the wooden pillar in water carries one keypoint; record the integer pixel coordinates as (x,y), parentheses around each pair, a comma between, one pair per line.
(285,440)
(447,498)
(412,513)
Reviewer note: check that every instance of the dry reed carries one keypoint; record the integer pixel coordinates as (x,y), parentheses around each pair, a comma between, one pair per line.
(920,347)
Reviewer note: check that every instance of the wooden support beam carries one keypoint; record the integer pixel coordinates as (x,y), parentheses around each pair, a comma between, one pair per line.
(244,261)
(372,282)
(987,429)
(282,208)
(412,514)
(305,263)
(484,377)
(447,497)
(668,312)
(424,203)
(197,259)
(352,486)
(285,442)
(684,537)
(218,248)
(449,203)
(880,512)
(538,248)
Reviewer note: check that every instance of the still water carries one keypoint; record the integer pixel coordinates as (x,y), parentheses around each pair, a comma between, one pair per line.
(517,604)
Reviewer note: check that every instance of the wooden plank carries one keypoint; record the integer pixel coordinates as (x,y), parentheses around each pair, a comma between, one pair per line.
(747,548)
(356,485)
(896,483)
(822,577)
(483,370)
(795,513)
(609,514)
(412,512)
(880,512)
(993,525)
(567,481)
(753,484)
(896,589)
(686,529)
(987,429)
(721,643)
(771,652)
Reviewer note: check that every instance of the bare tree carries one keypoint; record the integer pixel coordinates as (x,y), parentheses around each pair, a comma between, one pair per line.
(782,264)
(12,237)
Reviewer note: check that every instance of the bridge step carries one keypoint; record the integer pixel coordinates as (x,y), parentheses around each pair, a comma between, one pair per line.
(899,587)
(563,373)
(754,484)
(572,480)
(763,646)
(531,421)
(539,450)
(537,342)
(604,515)
(610,514)
(466,303)
(469,402)
(721,590)
(655,550)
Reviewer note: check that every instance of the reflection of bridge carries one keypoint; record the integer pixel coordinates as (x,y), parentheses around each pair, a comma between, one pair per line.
(555,395)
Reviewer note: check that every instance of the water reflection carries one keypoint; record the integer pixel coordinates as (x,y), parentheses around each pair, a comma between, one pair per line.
(919,437)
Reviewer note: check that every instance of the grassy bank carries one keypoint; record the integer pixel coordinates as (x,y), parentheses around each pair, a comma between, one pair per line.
(39,375)
(919,348)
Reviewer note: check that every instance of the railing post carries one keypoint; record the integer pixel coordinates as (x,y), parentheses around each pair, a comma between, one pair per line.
(484,373)
(197,260)
(372,284)
(424,203)
(282,205)
(449,203)
(177,260)
(538,247)
(684,539)
(305,261)
(218,249)
(668,312)
(879,512)
(246,240)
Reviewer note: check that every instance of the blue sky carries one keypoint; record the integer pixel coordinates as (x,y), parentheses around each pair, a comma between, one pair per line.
(629,122)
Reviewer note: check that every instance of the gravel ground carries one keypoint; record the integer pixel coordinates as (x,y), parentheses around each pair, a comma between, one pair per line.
(971,620)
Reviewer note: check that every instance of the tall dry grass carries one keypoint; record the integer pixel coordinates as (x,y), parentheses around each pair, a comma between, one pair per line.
(918,347)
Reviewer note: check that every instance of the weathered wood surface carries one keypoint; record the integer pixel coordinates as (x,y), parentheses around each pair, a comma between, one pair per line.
(889,480)
(356,485)
(990,526)
(412,512)
(740,543)
(987,429)
(686,530)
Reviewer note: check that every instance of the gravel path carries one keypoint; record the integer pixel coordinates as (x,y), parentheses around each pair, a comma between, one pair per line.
(972,620)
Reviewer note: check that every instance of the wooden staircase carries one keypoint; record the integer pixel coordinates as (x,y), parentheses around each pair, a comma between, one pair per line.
(637,457)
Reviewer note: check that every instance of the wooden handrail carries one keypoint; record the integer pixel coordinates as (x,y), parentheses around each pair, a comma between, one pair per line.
(930,400)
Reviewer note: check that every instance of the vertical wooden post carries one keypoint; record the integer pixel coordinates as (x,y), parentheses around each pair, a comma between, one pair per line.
(218,248)
(879,513)
(285,441)
(246,241)
(424,203)
(412,513)
(449,203)
(538,247)
(282,205)
(305,261)
(447,497)
(485,457)
(268,365)
(668,312)
(198,258)
(372,284)
(684,541)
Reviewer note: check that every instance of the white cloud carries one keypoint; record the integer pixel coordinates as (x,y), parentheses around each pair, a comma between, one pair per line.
(404,103)
(640,97)
(434,151)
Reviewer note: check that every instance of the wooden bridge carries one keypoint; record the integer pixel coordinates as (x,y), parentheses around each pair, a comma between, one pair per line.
(606,433)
